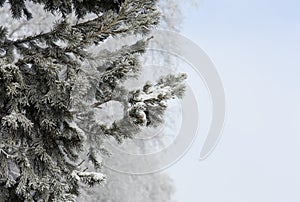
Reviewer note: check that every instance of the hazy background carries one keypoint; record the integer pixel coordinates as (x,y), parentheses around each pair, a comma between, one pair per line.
(255,45)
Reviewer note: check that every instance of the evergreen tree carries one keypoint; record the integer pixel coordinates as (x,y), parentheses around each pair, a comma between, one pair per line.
(51,88)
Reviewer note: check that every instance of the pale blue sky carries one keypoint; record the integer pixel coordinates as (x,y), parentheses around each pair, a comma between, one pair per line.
(255,46)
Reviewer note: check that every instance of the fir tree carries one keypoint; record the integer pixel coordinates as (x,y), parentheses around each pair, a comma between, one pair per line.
(51,87)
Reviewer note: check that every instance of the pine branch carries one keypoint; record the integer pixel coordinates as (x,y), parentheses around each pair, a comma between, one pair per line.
(97,104)
(96,30)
